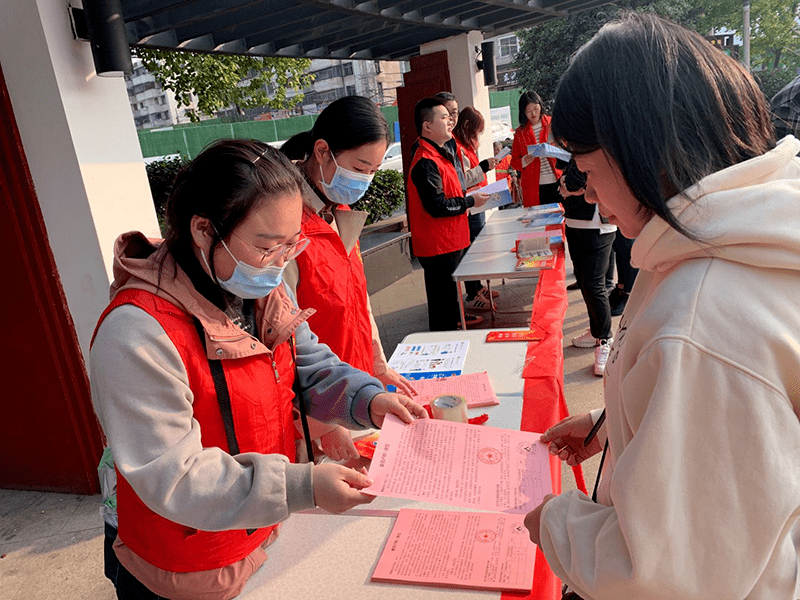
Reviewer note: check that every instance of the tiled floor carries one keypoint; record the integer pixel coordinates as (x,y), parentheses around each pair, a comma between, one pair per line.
(51,545)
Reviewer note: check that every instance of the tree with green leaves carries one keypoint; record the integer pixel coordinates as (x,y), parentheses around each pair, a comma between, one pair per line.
(220,80)
(775,34)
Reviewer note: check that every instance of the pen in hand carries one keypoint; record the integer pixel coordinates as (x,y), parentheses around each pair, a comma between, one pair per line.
(595,429)
(592,432)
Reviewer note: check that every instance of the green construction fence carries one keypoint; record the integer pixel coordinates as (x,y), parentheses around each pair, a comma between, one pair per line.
(188,140)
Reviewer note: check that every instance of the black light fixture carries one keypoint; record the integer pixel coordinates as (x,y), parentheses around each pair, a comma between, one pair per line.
(485,63)
(106,28)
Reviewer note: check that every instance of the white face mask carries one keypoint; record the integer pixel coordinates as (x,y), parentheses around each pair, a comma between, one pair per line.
(346,187)
(249,282)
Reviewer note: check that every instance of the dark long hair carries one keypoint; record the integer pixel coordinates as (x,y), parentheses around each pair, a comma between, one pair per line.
(345,124)
(225,183)
(666,105)
(470,124)
(529,97)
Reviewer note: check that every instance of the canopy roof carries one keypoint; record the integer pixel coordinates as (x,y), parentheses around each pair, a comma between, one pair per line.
(375,29)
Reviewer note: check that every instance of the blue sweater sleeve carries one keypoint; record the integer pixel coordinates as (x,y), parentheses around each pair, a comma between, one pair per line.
(333,391)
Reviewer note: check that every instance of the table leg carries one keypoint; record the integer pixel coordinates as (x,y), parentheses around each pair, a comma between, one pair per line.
(461,305)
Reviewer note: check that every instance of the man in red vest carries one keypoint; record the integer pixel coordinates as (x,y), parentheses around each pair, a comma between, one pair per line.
(437,212)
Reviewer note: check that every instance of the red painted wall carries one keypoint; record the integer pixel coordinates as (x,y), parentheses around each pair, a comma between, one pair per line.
(49,436)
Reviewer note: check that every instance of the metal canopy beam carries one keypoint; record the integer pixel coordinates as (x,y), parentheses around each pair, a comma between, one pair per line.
(366,29)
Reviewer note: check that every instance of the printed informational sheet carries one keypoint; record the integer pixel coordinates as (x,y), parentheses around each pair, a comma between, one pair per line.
(430,360)
(471,466)
(474,387)
(489,551)
(499,195)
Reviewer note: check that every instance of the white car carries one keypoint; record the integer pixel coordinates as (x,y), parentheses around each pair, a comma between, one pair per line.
(393,158)
(502,132)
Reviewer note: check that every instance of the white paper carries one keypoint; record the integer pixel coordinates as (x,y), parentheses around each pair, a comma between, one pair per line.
(503,153)
(433,359)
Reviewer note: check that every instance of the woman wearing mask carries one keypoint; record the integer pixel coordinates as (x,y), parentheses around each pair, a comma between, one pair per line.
(538,177)
(339,158)
(699,492)
(193,366)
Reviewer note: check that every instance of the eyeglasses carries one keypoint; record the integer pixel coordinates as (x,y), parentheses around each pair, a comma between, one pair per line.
(272,255)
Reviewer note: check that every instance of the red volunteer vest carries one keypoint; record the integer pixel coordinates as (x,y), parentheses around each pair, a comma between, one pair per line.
(262,416)
(529,178)
(430,235)
(333,282)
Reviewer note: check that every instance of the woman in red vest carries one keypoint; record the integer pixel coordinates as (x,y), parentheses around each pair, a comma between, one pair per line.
(538,178)
(466,133)
(339,157)
(194,368)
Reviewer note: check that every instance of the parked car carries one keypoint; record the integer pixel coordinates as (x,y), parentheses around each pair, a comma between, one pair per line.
(393,158)
(502,132)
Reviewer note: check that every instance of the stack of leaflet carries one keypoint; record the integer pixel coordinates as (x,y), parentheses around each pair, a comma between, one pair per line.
(543,215)
(534,253)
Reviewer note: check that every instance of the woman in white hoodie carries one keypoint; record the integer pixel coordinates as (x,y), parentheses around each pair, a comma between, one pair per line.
(699,493)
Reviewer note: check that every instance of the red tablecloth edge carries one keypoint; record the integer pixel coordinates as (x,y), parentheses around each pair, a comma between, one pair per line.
(543,402)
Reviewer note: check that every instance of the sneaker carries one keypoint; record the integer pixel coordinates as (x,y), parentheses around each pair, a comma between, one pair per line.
(617,299)
(601,356)
(573,286)
(479,302)
(495,293)
(585,340)
(473,320)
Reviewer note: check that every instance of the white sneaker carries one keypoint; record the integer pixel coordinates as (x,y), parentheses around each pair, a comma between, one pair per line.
(585,340)
(601,356)
(479,302)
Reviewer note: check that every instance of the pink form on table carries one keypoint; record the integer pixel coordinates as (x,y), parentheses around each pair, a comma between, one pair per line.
(472,466)
(474,387)
(461,549)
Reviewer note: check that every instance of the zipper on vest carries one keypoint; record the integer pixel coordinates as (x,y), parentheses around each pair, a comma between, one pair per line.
(275,369)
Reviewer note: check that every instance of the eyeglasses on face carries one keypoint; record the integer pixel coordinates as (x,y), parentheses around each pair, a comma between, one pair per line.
(272,255)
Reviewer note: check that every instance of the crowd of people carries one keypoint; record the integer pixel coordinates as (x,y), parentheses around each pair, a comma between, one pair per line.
(241,349)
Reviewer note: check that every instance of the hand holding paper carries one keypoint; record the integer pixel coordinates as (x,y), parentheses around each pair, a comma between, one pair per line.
(472,466)
(397,405)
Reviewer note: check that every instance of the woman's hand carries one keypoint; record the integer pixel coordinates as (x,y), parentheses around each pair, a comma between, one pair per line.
(338,444)
(337,488)
(392,377)
(403,407)
(527,159)
(492,161)
(565,439)
(533,519)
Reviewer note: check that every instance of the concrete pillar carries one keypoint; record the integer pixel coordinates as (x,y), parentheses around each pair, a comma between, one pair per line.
(82,150)
(467,80)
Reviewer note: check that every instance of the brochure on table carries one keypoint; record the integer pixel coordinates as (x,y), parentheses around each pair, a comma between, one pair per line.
(456,464)
(429,360)
(489,551)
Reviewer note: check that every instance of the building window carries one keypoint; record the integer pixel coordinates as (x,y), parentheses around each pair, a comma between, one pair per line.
(509,46)
(347,69)
(351,90)
(377,67)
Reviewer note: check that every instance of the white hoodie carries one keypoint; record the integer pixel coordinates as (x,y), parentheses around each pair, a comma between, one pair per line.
(700,494)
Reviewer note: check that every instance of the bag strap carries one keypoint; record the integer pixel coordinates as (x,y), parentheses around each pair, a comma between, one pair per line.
(301,405)
(224,400)
(223,396)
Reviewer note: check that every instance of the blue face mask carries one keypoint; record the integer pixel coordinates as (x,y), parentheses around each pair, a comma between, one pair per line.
(346,187)
(249,282)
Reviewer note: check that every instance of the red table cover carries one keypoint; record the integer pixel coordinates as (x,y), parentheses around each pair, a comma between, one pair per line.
(543,402)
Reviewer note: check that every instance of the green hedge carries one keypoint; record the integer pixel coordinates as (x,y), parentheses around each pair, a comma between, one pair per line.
(385,194)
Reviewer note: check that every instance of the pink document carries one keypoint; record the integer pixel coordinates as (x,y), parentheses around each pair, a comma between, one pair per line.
(475,388)
(458,549)
(484,468)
